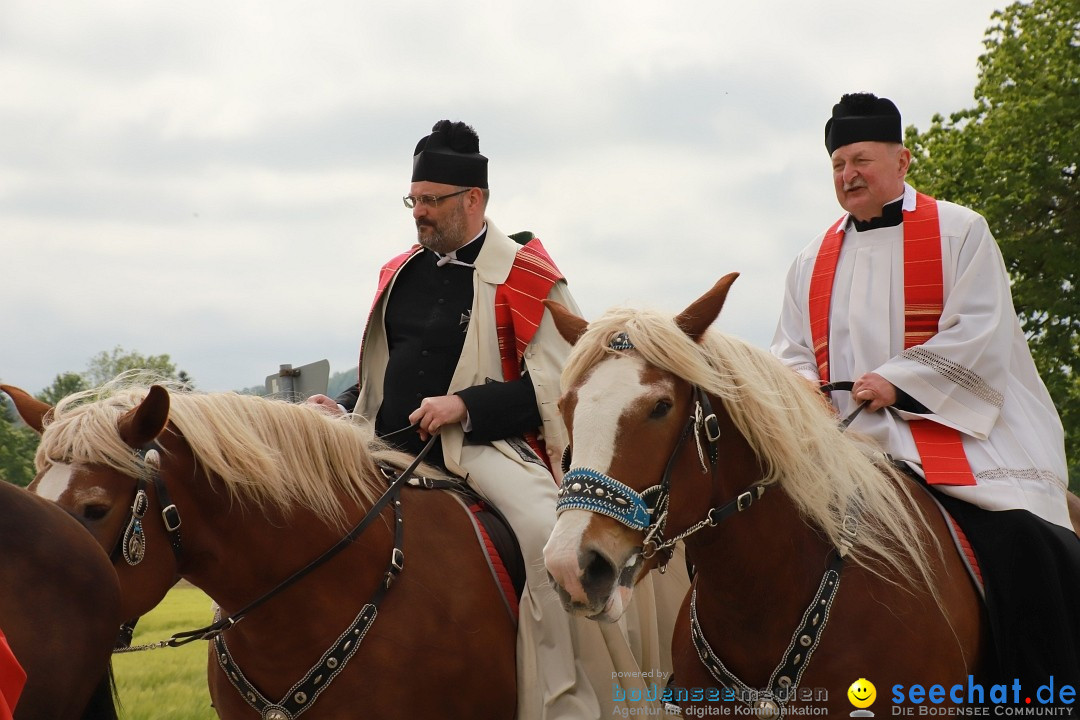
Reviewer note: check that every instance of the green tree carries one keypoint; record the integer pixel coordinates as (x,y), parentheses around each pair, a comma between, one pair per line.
(17,446)
(18,442)
(106,365)
(64,385)
(340,382)
(1014,158)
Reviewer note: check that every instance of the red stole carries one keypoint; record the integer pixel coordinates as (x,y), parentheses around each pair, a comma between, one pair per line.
(519,303)
(940,446)
(519,307)
(389,270)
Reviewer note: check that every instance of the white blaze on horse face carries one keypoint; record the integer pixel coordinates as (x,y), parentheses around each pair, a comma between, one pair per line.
(606,393)
(60,485)
(602,399)
(54,482)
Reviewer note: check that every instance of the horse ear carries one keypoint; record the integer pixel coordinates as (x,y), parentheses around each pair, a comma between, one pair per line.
(701,313)
(142,424)
(30,409)
(570,326)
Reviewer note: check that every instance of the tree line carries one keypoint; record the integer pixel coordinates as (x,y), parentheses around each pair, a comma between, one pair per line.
(18,443)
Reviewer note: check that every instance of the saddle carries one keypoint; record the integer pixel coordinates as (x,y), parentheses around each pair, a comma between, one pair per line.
(493,533)
(959,537)
(1027,571)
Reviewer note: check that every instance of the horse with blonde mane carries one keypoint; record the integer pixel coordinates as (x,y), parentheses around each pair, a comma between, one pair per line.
(816,563)
(237,494)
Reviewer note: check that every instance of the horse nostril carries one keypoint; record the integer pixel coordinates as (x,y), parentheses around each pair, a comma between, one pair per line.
(599,574)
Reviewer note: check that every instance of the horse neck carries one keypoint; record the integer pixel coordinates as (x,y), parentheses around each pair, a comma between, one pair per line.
(756,574)
(765,557)
(243,552)
(766,543)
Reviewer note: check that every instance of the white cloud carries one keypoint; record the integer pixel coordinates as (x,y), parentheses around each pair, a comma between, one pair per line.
(221,181)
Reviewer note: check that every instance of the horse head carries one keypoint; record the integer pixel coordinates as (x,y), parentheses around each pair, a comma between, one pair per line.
(128,460)
(674,429)
(635,424)
(99,470)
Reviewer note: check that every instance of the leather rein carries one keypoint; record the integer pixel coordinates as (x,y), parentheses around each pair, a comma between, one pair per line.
(132,542)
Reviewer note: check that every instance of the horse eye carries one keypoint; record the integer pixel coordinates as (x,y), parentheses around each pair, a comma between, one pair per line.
(660,410)
(95,512)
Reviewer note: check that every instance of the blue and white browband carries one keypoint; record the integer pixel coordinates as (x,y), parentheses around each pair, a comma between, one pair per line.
(586,489)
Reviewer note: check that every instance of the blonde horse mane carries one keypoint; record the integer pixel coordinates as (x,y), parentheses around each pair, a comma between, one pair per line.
(829,475)
(266,452)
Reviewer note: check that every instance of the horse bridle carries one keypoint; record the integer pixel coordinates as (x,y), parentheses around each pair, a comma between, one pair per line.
(131,544)
(647,511)
(588,489)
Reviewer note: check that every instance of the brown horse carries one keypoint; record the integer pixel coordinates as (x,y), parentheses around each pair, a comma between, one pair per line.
(59,608)
(247,491)
(679,433)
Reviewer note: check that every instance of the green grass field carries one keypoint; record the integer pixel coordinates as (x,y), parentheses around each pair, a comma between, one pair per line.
(167,683)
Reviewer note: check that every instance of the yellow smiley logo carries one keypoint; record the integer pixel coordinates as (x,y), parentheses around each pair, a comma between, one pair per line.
(862,693)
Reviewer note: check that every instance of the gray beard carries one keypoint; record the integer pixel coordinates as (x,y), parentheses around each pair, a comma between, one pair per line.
(439,242)
(448,239)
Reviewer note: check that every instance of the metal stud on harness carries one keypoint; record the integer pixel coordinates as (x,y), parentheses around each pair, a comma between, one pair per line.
(132,542)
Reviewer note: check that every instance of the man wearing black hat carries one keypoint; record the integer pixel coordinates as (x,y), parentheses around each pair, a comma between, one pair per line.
(909,297)
(459,342)
(428,316)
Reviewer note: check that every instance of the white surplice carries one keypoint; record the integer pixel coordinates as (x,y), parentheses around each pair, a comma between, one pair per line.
(975,375)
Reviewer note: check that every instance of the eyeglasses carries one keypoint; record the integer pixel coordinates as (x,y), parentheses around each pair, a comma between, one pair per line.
(431,201)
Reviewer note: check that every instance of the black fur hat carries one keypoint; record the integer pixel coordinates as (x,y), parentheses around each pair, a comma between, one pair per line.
(450,155)
(862,116)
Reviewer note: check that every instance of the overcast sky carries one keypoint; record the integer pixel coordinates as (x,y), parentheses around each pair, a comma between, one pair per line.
(220,181)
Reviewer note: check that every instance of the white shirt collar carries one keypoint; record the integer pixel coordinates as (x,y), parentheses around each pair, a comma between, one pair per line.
(450,258)
(908,206)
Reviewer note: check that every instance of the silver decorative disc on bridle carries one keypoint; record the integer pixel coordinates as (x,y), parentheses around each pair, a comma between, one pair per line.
(621,342)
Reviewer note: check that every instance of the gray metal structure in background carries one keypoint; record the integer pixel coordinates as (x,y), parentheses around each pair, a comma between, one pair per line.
(298,384)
